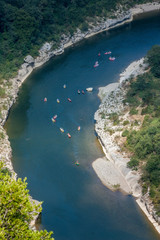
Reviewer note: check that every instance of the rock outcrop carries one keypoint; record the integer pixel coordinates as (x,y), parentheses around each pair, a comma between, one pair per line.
(112,169)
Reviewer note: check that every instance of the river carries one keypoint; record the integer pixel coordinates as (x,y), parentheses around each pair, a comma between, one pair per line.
(76,205)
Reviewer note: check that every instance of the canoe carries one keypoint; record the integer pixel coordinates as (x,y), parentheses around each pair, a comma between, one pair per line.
(107,53)
(55,116)
(112,58)
(69,99)
(61,129)
(68,135)
(77,163)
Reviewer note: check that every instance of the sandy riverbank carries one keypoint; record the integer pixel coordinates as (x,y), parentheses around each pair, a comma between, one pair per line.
(112,169)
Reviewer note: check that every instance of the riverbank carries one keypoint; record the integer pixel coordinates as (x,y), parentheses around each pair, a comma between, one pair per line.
(12,86)
(112,169)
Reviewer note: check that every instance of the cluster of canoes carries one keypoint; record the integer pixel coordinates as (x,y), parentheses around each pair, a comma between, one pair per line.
(54,118)
(106,53)
(61,129)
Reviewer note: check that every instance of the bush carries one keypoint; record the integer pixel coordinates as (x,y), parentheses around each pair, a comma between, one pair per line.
(148,110)
(126,122)
(133,111)
(125,133)
(153,57)
(84,26)
(114,117)
(133,163)
(2,92)
(103,115)
(16,210)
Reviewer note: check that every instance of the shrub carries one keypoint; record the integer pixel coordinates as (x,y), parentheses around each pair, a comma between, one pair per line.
(125,133)
(126,122)
(133,163)
(103,115)
(133,111)
(16,210)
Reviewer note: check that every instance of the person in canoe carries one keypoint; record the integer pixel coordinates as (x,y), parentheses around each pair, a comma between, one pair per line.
(77,163)
(69,99)
(61,129)
(64,86)
(58,100)
(45,99)
(55,116)
(78,91)
(68,135)
(79,128)
(112,58)
(96,64)
(82,92)
(107,53)
(53,120)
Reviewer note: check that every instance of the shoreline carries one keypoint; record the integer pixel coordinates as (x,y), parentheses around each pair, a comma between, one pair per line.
(45,53)
(112,169)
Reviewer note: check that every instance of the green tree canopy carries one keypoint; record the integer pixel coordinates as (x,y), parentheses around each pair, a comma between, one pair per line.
(16,210)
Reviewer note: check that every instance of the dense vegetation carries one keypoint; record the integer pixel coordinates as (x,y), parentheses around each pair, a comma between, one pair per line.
(145,143)
(25,25)
(16,210)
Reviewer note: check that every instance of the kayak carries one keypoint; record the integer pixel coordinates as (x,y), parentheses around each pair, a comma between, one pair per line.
(79,128)
(45,99)
(64,86)
(58,100)
(78,92)
(82,92)
(53,120)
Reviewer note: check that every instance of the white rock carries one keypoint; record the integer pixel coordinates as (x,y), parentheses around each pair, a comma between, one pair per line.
(29,59)
(46,47)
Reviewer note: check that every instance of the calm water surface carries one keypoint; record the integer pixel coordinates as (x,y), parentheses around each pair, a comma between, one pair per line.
(76,205)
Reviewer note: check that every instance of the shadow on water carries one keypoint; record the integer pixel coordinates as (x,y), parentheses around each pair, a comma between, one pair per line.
(76,205)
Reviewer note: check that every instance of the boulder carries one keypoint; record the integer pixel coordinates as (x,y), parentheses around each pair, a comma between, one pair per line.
(46,47)
(29,59)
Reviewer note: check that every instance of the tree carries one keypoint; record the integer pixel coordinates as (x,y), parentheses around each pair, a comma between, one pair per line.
(153,57)
(16,210)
